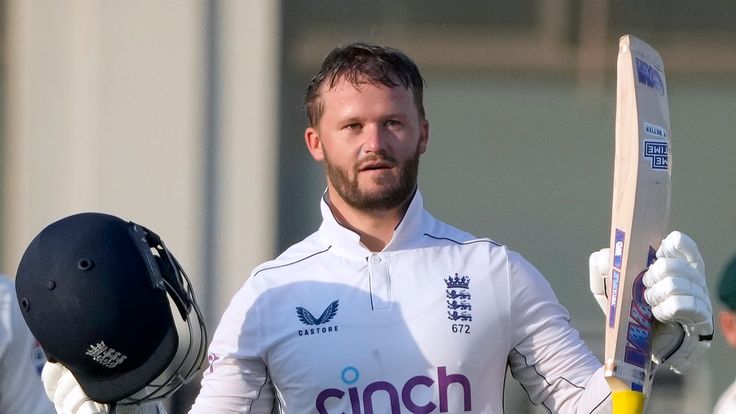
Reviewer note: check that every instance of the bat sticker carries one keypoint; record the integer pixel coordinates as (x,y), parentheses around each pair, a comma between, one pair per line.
(639,331)
(655,130)
(649,75)
(615,277)
(658,154)
(618,249)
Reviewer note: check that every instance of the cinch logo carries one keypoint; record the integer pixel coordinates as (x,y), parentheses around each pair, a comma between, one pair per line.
(362,403)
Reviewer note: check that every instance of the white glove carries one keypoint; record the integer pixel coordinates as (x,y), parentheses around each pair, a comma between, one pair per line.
(66,394)
(678,296)
(69,398)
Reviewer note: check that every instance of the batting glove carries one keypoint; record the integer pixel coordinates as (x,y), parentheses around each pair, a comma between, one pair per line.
(69,398)
(678,295)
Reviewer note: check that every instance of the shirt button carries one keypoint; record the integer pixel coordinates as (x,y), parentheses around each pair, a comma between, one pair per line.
(375,259)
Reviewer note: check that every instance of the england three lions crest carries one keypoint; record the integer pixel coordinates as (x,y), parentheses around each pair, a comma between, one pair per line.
(458,298)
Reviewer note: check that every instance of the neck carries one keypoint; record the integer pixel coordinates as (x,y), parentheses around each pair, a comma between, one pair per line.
(375,227)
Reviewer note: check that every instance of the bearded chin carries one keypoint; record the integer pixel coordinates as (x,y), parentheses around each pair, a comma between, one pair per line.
(390,197)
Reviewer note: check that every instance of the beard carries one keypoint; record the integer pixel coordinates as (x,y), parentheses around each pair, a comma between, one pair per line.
(389,196)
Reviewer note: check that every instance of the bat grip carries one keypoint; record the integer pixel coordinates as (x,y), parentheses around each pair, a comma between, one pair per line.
(628,402)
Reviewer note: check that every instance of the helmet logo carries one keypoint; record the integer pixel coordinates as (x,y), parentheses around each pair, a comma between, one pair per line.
(105,356)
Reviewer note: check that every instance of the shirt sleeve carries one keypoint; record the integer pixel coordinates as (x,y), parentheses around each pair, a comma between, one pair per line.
(549,358)
(727,401)
(237,380)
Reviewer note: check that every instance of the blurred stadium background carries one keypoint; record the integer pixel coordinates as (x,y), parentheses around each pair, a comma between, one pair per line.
(186,116)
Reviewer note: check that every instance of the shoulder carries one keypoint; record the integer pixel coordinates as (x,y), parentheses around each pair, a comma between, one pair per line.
(498,254)
(498,258)
(309,250)
(439,232)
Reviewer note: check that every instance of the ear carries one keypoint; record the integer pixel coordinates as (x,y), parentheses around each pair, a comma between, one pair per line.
(424,138)
(727,320)
(314,143)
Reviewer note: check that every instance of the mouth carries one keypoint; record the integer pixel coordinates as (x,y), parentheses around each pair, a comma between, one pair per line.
(376,165)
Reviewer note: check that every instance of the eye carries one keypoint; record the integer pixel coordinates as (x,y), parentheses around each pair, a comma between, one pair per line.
(353,127)
(393,123)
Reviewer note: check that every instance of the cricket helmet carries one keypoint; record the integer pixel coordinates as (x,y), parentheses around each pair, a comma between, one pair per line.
(105,298)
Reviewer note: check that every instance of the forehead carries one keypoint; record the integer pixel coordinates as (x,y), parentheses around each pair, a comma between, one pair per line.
(344,94)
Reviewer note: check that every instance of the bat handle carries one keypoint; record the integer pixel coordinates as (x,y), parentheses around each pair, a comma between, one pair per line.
(628,402)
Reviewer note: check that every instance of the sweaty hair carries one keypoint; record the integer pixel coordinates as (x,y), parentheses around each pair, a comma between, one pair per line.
(359,63)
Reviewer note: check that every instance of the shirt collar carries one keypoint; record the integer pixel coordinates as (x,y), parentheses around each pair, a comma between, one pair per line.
(343,240)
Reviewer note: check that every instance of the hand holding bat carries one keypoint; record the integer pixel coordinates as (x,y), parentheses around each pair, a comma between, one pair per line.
(684,326)
(679,298)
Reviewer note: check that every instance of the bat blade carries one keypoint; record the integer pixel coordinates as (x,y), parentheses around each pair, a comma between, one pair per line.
(639,219)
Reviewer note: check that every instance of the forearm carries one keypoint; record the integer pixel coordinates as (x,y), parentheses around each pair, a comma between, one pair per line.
(578,388)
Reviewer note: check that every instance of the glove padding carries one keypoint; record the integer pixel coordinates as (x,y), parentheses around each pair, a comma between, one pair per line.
(678,295)
(66,394)
(69,398)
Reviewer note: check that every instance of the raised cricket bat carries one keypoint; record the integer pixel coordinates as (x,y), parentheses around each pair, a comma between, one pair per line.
(640,217)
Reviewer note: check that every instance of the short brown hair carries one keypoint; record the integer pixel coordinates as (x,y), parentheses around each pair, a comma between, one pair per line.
(357,62)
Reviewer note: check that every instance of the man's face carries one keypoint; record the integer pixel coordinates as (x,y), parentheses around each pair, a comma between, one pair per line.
(370,139)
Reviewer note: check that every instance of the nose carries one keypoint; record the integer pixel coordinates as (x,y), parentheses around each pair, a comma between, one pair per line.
(375,139)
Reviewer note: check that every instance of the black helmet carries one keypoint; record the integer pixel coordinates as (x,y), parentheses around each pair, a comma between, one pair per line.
(106,299)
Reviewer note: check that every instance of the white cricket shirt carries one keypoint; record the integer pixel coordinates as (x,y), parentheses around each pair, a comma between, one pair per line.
(727,401)
(428,325)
